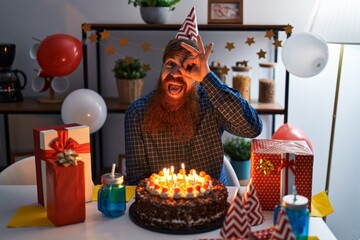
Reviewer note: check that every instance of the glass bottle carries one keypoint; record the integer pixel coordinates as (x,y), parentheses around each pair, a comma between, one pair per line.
(111,195)
(242,80)
(267,82)
(216,67)
(296,207)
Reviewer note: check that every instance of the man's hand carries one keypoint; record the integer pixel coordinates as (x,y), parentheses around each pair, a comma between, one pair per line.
(196,66)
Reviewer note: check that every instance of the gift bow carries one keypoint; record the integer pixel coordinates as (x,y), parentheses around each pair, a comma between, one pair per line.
(63,142)
(287,164)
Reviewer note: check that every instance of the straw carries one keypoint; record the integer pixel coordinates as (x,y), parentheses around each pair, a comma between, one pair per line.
(294,192)
(113,170)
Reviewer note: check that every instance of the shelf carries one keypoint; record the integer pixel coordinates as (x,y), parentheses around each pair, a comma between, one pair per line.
(205,27)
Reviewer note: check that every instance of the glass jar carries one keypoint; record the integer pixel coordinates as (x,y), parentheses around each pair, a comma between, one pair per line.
(242,80)
(112,195)
(216,67)
(267,82)
(297,211)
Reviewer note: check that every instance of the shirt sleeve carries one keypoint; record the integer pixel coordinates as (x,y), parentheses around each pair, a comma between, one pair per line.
(236,115)
(136,165)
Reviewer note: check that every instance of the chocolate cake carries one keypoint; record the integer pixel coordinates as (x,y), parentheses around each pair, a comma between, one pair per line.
(173,206)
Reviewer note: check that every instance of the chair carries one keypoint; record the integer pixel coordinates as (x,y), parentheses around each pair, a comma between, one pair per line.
(230,174)
(22,172)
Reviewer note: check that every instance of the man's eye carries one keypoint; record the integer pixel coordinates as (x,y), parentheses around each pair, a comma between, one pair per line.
(170,64)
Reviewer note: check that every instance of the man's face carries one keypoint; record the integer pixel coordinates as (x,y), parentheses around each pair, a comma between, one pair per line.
(173,82)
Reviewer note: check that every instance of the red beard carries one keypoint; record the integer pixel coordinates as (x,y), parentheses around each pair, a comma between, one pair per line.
(175,117)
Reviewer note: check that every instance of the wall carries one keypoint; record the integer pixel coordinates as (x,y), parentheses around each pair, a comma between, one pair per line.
(311,99)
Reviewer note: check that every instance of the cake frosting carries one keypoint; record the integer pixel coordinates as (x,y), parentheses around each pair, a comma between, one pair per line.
(180,201)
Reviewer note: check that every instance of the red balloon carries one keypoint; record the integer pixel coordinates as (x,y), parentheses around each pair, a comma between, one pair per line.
(59,54)
(290,132)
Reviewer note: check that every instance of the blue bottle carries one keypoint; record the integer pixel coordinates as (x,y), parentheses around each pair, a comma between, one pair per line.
(112,195)
(296,207)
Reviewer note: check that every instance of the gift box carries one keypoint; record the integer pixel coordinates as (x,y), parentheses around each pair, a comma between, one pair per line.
(50,141)
(65,190)
(277,165)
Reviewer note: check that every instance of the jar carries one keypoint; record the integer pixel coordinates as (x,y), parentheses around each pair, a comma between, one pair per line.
(111,195)
(242,80)
(267,82)
(216,67)
(297,211)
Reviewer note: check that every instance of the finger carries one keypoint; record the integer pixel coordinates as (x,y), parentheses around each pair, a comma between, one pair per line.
(201,45)
(191,49)
(188,63)
(208,51)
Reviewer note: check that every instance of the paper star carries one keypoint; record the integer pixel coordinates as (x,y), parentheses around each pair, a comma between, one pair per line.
(288,29)
(105,35)
(225,70)
(250,40)
(86,27)
(277,43)
(244,63)
(110,50)
(128,60)
(146,46)
(123,41)
(261,54)
(93,38)
(269,34)
(146,67)
(229,45)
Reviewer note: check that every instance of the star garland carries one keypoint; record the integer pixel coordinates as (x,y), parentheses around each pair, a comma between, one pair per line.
(147,47)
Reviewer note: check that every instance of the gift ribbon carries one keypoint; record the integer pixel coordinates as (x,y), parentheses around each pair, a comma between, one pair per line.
(287,164)
(61,143)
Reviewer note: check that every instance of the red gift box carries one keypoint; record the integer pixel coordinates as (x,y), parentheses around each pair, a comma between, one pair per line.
(50,141)
(65,193)
(277,165)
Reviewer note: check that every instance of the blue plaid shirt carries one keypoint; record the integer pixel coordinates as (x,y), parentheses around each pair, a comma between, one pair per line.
(221,109)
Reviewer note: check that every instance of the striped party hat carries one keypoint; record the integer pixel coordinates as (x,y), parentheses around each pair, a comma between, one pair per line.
(189,29)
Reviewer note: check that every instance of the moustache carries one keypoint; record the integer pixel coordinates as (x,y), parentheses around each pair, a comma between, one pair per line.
(170,78)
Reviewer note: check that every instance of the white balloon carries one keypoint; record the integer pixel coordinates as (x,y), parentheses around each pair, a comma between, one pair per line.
(305,54)
(86,107)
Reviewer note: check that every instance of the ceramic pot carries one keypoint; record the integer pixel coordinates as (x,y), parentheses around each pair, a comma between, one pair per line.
(155,15)
(242,168)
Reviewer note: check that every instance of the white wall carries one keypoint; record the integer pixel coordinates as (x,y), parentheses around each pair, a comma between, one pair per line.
(311,100)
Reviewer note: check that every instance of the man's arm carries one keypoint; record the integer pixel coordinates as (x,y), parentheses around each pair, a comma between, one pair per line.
(136,164)
(235,113)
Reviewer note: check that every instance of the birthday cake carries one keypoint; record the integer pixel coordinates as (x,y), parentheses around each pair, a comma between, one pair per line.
(180,201)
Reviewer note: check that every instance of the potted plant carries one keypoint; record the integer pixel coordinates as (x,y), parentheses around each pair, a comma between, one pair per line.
(155,11)
(238,150)
(129,74)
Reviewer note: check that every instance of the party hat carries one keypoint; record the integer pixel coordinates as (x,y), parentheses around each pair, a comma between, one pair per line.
(189,29)
(236,224)
(252,205)
(282,229)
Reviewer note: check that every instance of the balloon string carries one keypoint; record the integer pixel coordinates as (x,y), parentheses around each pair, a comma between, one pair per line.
(36,39)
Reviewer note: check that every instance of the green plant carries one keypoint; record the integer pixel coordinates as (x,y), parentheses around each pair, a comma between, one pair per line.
(238,149)
(129,69)
(155,3)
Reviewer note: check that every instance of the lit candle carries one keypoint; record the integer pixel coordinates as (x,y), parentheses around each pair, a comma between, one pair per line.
(174,179)
(183,167)
(172,170)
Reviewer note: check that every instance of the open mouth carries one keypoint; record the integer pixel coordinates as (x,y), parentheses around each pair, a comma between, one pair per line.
(175,88)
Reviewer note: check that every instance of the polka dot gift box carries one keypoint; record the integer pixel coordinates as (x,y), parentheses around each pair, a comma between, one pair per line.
(277,165)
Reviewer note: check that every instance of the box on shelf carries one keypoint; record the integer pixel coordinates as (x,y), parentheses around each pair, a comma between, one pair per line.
(277,165)
(73,136)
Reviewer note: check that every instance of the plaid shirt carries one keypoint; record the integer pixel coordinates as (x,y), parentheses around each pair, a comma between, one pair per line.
(221,109)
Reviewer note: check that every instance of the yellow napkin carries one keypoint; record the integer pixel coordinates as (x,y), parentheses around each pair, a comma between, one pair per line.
(29,216)
(130,190)
(320,205)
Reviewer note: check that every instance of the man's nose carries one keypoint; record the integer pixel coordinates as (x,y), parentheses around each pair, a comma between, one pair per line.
(176,72)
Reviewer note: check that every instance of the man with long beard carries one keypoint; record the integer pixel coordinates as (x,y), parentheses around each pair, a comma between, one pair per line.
(183,119)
